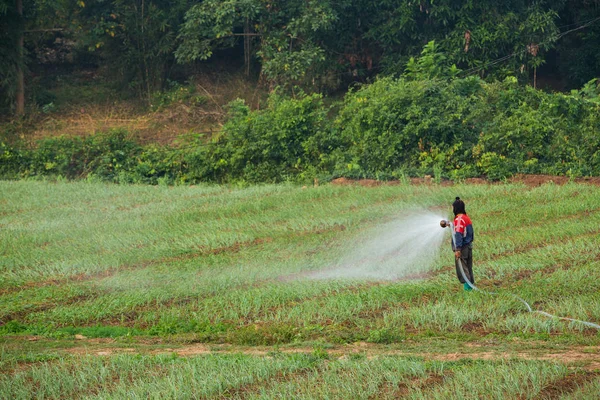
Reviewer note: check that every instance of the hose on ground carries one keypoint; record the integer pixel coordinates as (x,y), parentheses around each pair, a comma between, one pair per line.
(529,309)
(472,286)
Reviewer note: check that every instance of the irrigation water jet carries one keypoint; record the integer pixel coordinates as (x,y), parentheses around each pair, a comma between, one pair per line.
(445,223)
(399,249)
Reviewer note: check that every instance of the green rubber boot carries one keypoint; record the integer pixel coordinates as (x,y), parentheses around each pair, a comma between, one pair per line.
(467,286)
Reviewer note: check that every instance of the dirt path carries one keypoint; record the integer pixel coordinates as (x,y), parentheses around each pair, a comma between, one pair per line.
(526,179)
(587,357)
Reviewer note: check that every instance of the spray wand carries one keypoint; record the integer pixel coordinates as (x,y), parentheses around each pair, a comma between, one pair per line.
(447,224)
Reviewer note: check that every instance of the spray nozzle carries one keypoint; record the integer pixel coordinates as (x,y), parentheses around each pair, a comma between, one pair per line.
(444,223)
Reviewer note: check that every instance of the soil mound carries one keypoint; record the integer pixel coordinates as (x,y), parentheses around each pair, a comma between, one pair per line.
(528,180)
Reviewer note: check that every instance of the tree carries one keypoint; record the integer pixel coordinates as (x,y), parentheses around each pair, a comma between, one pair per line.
(578,53)
(11,61)
(286,34)
(20,100)
(137,39)
(432,64)
(485,37)
(21,23)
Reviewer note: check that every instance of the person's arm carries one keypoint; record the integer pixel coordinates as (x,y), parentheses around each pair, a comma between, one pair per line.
(459,230)
(471,232)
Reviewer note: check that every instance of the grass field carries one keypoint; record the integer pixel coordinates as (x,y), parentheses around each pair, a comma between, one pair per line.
(205,292)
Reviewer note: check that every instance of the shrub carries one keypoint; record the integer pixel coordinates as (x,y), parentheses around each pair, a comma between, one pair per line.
(392,124)
(291,137)
(391,129)
(11,159)
(105,155)
(158,164)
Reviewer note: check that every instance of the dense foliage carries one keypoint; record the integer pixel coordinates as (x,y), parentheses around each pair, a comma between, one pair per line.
(448,127)
(320,45)
(113,157)
(455,109)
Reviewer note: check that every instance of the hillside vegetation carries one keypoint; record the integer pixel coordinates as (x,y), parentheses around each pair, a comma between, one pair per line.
(260,91)
(322,46)
(425,123)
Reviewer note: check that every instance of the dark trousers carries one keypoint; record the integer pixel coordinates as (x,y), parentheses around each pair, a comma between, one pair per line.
(466,256)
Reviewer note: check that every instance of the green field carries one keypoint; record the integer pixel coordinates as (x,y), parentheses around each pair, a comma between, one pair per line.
(111,291)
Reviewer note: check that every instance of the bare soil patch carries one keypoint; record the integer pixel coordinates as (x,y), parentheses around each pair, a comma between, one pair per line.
(427,180)
(566,385)
(390,391)
(359,182)
(527,180)
(588,356)
(477,181)
(538,180)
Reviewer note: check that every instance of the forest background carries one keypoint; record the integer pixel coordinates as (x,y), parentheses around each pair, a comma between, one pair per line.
(387,90)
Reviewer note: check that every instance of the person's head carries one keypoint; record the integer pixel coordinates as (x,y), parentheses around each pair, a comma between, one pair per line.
(458,207)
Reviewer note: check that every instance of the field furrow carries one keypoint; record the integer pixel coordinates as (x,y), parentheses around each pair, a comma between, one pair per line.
(282,292)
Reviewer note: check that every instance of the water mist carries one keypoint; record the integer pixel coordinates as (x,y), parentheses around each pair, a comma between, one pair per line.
(403,248)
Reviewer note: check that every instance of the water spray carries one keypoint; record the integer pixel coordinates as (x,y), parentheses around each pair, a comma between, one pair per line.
(403,247)
(447,224)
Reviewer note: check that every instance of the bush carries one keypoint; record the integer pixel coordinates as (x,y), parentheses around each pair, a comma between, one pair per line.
(177,94)
(104,155)
(290,138)
(11,159)
(529,131)
(391,129)
(461,128)
(417,125)
(156,164)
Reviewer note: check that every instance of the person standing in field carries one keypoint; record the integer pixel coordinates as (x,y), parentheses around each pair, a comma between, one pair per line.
(462,243)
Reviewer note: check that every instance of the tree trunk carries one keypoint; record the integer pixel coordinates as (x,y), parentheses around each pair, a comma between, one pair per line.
(20,97)
(247,47)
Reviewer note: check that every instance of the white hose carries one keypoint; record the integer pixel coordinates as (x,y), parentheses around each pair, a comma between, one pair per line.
(472,285)
(462,266)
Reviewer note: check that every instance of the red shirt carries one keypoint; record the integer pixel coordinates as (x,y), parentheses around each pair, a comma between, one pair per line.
(463,231)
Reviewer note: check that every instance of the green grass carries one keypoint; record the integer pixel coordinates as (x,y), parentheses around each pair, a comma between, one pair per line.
(227,266)
(300,376)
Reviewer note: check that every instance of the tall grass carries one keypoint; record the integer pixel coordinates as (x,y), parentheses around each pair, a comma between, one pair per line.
(299,376)
(137,377)
(176,259)
(233,265)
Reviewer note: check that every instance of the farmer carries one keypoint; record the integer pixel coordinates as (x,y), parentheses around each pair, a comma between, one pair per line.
(462,243)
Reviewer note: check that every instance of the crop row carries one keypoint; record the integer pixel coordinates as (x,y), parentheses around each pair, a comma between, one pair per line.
(299,376)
